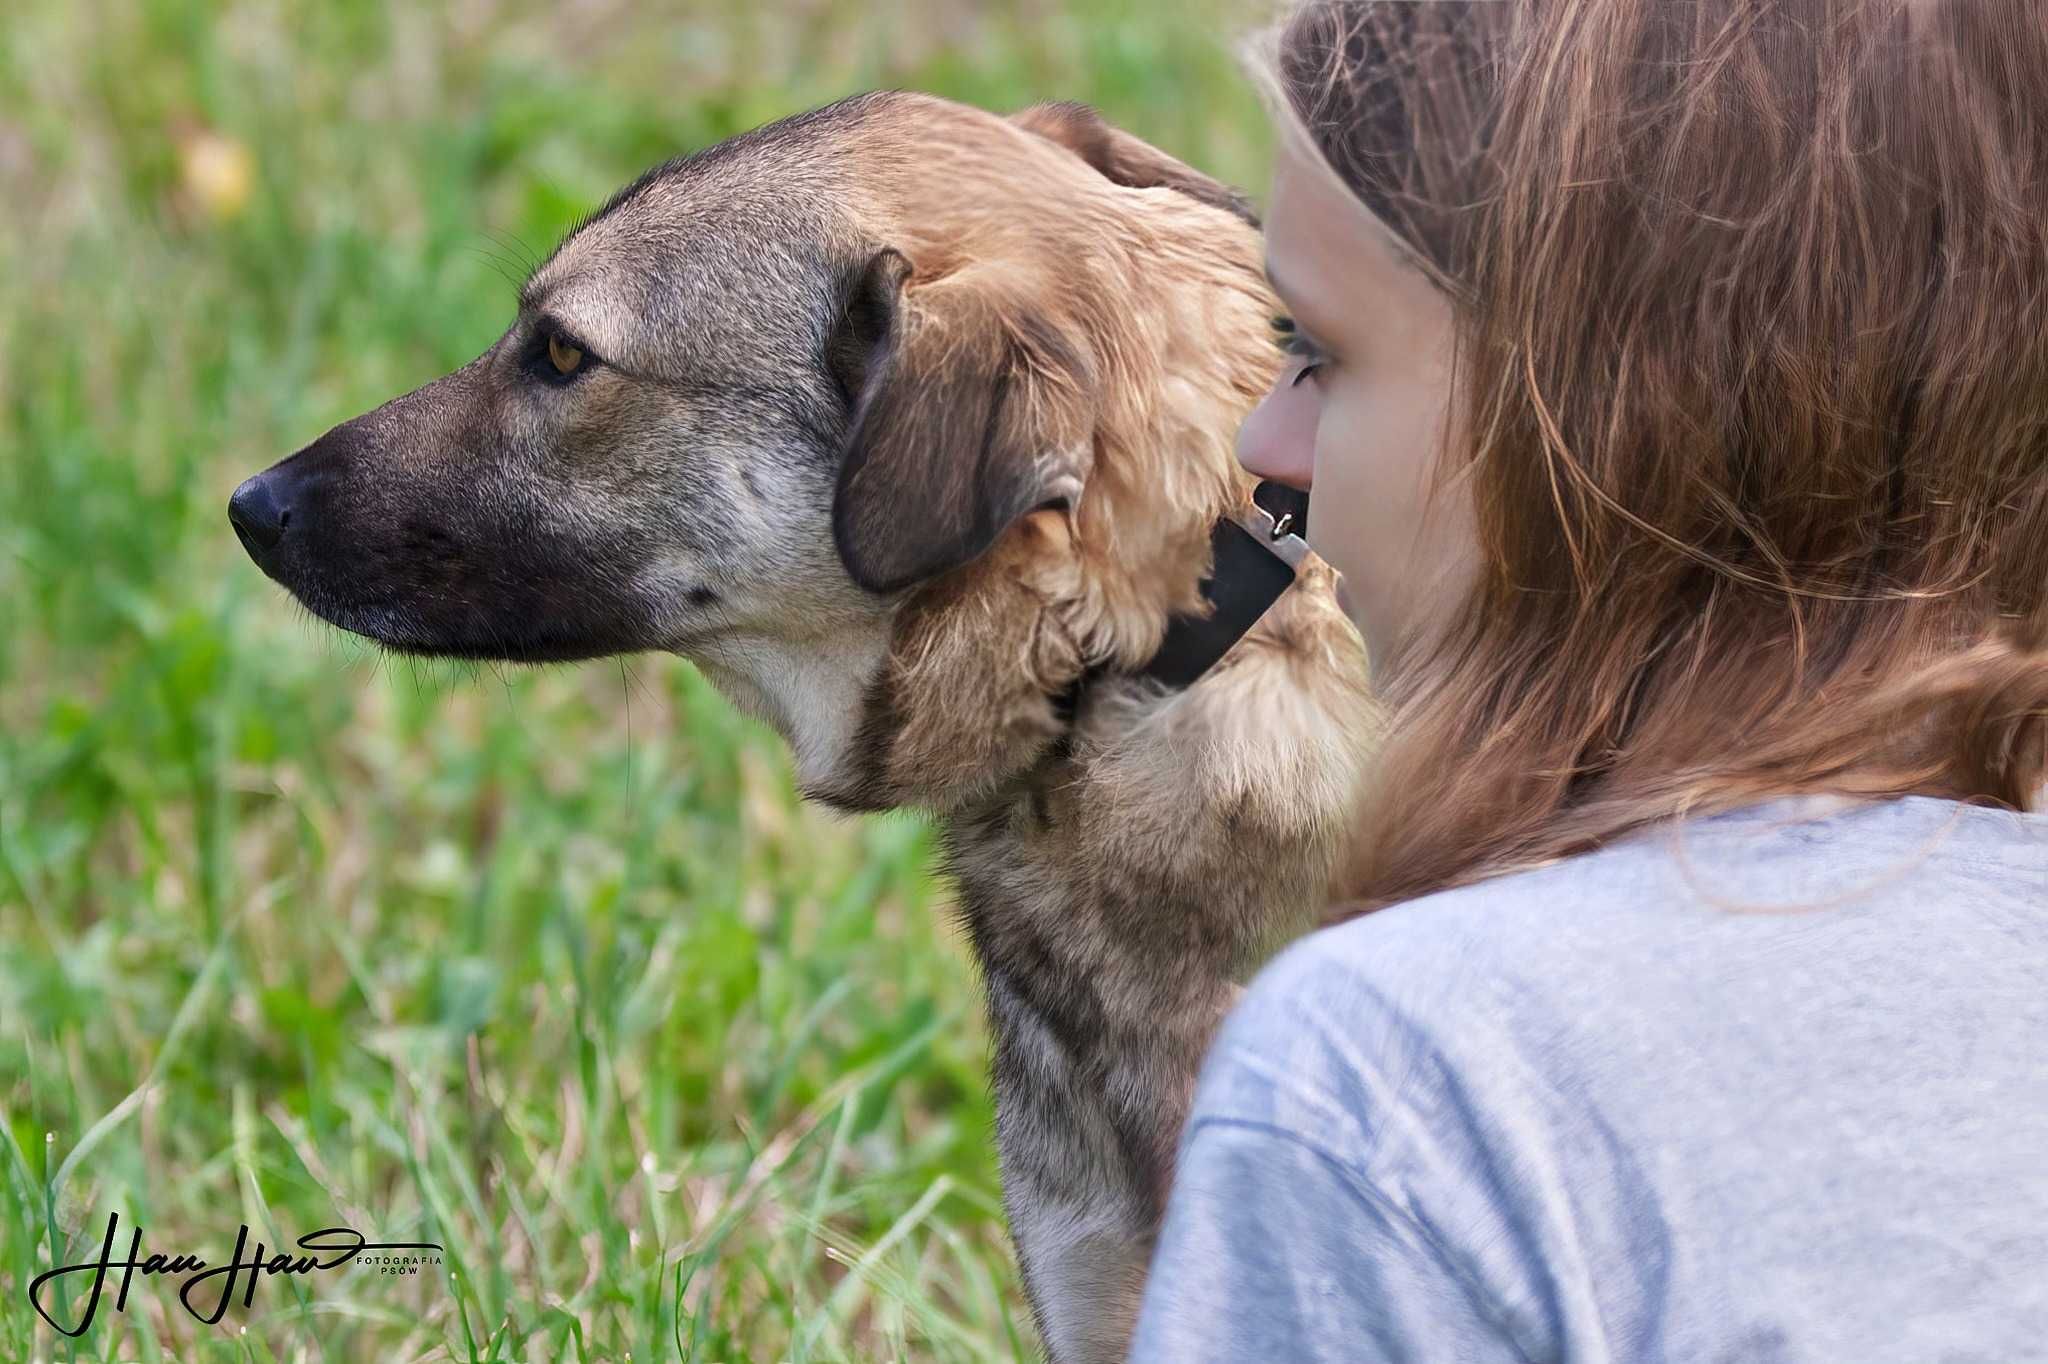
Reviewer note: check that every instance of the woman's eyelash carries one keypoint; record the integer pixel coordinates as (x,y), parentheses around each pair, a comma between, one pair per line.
(1290,339)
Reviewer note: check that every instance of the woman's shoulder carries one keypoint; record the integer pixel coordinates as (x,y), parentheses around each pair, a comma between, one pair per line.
(1781,905)
(1790,862)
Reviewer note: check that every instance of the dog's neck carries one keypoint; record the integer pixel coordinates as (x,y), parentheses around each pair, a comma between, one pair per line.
(809,690)
(981,674)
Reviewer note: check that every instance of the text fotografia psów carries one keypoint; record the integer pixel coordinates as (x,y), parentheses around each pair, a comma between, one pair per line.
(207,1289)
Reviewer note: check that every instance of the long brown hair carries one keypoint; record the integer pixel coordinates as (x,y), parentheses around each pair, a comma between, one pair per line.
(1752,375)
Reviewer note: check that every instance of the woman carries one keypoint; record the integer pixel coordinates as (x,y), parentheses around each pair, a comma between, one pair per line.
(1673,382)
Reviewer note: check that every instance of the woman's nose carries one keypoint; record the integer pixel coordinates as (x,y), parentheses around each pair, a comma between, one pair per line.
(1278,439)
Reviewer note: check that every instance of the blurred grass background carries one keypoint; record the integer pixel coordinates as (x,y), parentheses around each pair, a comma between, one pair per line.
(547,966)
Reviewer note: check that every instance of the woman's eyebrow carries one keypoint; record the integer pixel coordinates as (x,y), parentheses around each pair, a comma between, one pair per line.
(1301,327)
(1273,278)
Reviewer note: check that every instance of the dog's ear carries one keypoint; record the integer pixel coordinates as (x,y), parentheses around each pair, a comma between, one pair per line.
(1127,160)
(970,409)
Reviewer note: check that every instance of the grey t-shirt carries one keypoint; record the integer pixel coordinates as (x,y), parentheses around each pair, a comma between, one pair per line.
(1766,1085)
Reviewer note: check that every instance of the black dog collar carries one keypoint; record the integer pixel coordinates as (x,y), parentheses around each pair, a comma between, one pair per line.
(1256,552)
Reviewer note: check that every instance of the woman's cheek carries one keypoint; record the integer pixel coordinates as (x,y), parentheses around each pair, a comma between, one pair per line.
(1278,438)
(1347,519)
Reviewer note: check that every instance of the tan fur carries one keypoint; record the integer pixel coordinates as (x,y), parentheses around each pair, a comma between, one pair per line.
(1182,836)
(1168,295)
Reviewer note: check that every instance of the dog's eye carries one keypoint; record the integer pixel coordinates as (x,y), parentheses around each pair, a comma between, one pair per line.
(555,356)
(566,359)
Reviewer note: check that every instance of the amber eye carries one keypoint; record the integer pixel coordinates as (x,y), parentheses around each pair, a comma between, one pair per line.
(565,357)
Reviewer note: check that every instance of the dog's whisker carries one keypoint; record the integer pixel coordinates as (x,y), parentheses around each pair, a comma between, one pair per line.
(503,268)
(520,254)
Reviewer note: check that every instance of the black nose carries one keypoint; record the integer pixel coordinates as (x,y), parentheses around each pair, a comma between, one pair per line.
(258,514)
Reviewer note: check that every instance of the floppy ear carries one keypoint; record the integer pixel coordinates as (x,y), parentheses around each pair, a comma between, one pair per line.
(1127,160)
(971,408)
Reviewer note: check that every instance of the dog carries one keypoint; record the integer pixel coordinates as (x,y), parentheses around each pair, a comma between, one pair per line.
(909,424)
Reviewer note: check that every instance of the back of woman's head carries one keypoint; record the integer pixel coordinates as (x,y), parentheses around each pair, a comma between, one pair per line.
(1751,302)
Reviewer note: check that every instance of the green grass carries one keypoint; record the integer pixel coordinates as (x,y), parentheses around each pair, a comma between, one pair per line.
(549,967)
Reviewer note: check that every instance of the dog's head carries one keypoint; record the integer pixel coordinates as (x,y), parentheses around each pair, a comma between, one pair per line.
(895,416)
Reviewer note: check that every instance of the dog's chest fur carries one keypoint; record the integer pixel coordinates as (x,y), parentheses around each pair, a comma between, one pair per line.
(1116,893)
